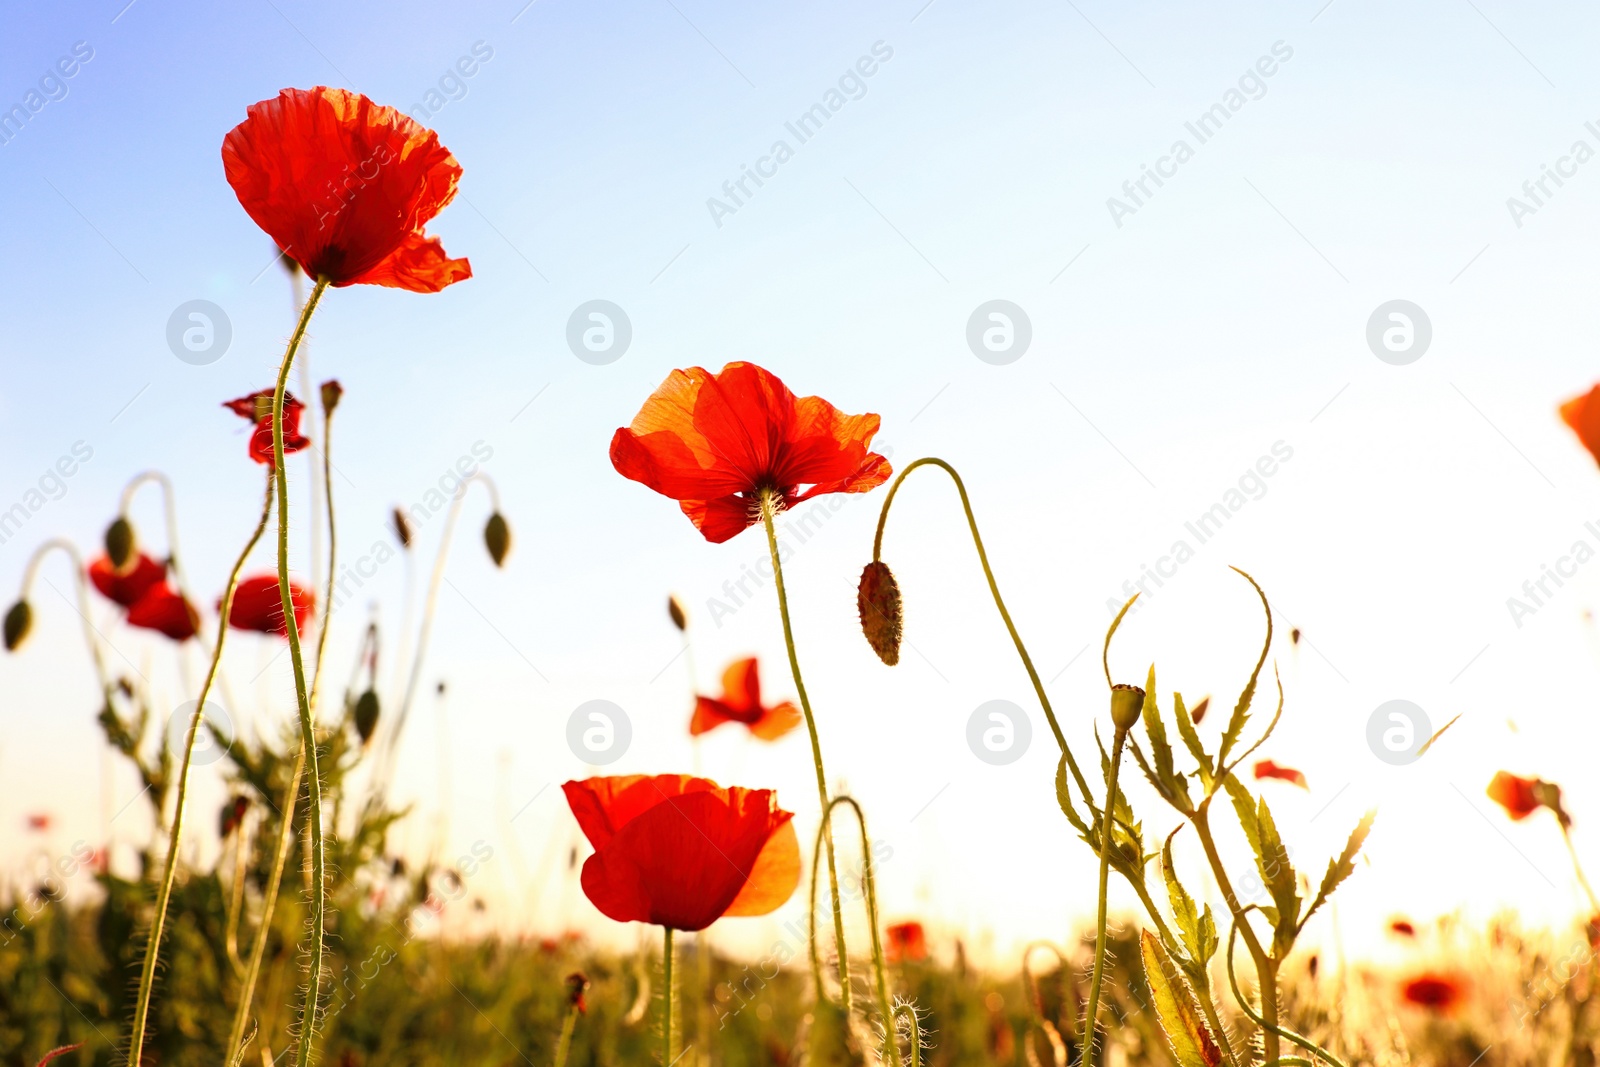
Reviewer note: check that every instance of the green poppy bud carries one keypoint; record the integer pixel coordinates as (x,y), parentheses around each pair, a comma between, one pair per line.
(497,535)
(1127,703)
(878,602)
(331,392)
(119,542)
(19,620)
(366,715)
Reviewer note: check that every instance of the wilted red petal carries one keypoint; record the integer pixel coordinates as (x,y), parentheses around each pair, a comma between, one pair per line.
(258,606)
(345,187)
(1402,928)
(127,586)
(163,610)
(1268,769)
(681,852)
(257,407)
(1582,413)
(741,702)
(715,442)
(1518,796)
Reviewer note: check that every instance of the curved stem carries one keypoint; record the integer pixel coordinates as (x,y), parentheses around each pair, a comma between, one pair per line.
(91,636)
(668,995)
(769,503)
(988,572)
(308,737)
(1265,968)
(1272,1028)
(869,888)
(152,949)
(1577,868)
(421,652)
(269,902)
(916,1031)
(1030,990)
(1091,1012)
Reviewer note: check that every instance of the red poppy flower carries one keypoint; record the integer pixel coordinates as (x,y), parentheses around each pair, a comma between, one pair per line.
(125,587)
(683,852)
(1402,928)
(907,941)
(257,407)
(741,702)
(258,606)
(163,610)
(345,187)
(716,442)
(1436,992)
(1268,769)
(1522,797)
(39,821)
(1582,413)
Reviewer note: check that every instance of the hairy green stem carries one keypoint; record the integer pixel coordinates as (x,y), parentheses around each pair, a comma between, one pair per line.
(910,1013)
(768,503)
(1091,1011)
(152,948)
(1269,1024)
(564,1042)
(1266,967)
(308,736)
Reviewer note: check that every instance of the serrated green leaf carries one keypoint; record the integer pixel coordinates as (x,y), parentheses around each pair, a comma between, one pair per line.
(1176,1011)
(1199,929)
(1173,787)
(1343,867)
(1277,873)
(1064,798)
(1191,738)
(1105,651)
(1241,710)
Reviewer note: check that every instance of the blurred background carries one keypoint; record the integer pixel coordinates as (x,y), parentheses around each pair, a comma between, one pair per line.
(1177,333)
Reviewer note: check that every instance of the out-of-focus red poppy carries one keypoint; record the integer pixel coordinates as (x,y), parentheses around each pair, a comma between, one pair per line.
(682,852)
(1582,413)
(716,442)
(257,407)
(1435,992)
(907,942)
(162,609)
(258,606)
(232,815)
(741,702)
(345,187)
(126,586)
(1268,769)
(39,821)
(1402,928)
(1521,797)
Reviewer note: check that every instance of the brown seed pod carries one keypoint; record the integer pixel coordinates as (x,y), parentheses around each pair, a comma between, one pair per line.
(19,620)
(331,392)
(497,536)
(878,601)
(402,528)
(1127,702)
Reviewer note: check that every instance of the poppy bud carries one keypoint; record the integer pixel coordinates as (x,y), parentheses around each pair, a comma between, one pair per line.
(232,815)
(576,984)
(402,528)
(680,617)
(497,535)
(119,542)
(1127,702)
(878,601)
(19,620)
(331,392)
(1198,712)
(366,715)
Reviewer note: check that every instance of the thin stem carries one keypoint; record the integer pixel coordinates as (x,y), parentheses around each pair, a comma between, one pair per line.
(668,995)
(152,949)
(269,902)
(1091,1012)
(988,572)
(1266,970)
(333,548)
(1577,868)
(308,736)
(90,635)
(236,900)
(768,507)
(1269,1024)
(870,891)
(564,1042)
(916,1031)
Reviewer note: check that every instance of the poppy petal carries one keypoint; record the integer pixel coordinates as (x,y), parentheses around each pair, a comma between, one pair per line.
(774,878)
(775,722)
(419,265)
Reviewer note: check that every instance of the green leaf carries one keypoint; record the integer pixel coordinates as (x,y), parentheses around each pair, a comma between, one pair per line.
(1198,928)
(1105,652)
(1186,1032)
(1241,710)
(1191,738)
(1343,867)
(1064,798)
(1278,875)
(1173,787)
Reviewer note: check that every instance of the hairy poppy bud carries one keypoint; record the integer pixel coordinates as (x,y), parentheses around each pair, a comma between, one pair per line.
(119,542)
(366,715)
(331,392)
(402,528)
(680,617)
(497,535)
(1127,702)
(19,620)
(878,601)
(577,982)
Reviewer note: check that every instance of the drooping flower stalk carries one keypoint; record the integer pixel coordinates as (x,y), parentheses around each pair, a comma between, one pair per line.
(308,737)
(90,636)
(768,503)
(152,949)
(909,1012)
(1577,869)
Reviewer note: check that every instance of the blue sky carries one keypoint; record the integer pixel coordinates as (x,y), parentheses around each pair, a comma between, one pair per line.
(1169,354)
